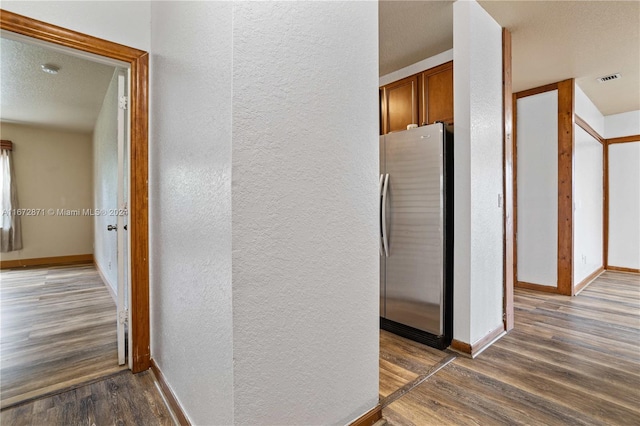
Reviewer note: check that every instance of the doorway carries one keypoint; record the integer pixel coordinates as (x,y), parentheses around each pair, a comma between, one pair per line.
(137,61)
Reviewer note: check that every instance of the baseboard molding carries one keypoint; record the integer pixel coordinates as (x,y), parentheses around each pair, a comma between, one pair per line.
(487,341)
(106,283)
(75,259)
(461,347)
(171,399)
(582,284)
(475,349)
(369,418)
(622,269)
(537,287)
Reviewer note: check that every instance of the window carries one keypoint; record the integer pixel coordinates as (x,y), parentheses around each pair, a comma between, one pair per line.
(10,232)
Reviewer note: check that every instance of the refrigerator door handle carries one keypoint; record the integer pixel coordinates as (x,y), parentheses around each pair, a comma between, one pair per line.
(385,239)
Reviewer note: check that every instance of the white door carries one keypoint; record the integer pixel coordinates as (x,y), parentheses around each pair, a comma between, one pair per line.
(122,217)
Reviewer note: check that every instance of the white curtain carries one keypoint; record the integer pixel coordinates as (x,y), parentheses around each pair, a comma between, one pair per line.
(11,235)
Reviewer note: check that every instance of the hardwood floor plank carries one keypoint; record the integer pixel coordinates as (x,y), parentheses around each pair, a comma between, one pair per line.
(121,399)
(57,330)
(390,382)
(502,402)
(566,353)
(402,361)
(569,360)
(558,383)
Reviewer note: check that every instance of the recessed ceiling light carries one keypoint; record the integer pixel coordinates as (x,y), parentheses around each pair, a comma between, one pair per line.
(50,69)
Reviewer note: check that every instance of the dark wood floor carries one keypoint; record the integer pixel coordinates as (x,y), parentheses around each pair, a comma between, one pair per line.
(57,330)
(121,399)
(404,362)
(568,361)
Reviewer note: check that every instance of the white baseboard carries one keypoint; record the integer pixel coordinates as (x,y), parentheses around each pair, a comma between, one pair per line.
(106,282)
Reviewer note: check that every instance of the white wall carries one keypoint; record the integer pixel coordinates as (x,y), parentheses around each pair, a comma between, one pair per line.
(125,22)
(305,246)
(624,124)
(53,171)
(585,109)
(301,93)
(624,191)
(587,189)
(478,223)
(317,262)
(537,182)
(190,205)
(624,205)
(588,205)
(105,190)
(420,66)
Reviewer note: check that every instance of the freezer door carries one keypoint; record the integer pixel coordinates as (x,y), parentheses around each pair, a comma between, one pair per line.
(382,257)
(414,267)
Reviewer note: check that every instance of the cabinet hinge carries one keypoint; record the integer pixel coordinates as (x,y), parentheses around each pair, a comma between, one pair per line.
(123,102)
(123,316)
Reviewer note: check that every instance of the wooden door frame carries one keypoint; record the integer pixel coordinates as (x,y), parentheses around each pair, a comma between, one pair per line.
(579,122)
(508,183)
(138,61)
(564,284)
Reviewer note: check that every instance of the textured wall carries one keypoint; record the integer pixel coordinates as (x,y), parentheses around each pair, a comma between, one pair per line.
(305,247)
(478,254)
(586,109)
(190,205)
(625,124)
(299,83)
(53,171)
(624,205)
(624,192)
(127,23)
(537,174)
(587,199)
(105,178)
(587,190)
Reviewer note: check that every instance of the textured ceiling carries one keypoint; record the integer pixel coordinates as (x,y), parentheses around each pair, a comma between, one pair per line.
(70,100)
(552,41)
(410,31)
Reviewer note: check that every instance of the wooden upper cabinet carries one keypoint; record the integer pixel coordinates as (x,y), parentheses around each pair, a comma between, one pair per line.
(399,104)
(423,98)
(436,94)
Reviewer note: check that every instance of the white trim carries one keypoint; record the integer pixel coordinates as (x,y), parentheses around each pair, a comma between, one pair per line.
(121,235)
(106,282)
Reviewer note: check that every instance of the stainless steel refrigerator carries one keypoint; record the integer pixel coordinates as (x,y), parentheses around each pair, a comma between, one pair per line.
(416,234)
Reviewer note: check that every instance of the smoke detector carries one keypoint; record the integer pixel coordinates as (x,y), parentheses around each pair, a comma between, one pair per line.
(608,78)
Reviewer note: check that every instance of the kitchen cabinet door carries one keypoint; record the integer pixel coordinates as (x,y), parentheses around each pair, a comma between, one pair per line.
(400,104)
(436,94)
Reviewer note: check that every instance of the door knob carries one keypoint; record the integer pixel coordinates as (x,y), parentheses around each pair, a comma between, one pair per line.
(112,228)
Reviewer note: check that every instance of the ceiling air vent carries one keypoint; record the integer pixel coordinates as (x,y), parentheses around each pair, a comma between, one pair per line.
(608,78)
